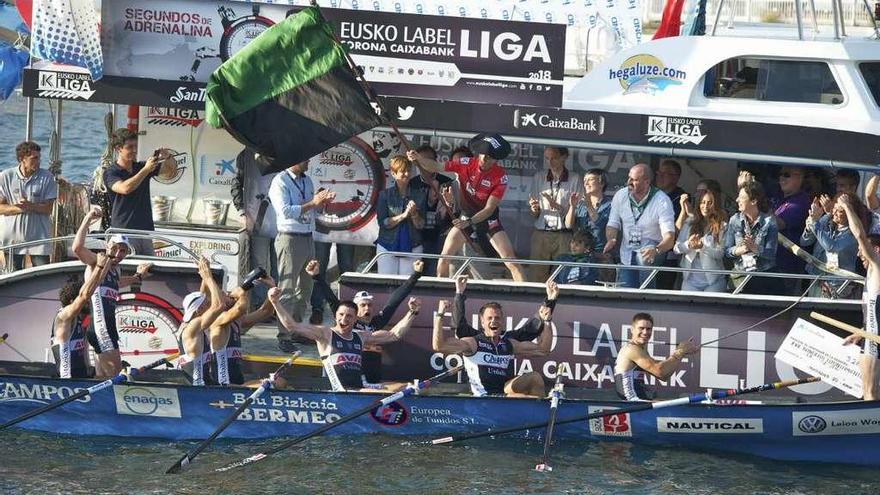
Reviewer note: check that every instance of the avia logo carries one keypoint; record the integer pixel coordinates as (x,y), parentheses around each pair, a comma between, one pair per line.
(646,74)
(593,125)
(812,424)
(174,117)
(64,85)
(676,130)
(405,113)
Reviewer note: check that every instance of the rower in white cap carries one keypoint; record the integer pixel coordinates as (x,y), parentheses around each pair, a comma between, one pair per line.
(102,333)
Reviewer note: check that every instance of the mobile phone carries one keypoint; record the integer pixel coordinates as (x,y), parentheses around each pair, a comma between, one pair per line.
(156,153)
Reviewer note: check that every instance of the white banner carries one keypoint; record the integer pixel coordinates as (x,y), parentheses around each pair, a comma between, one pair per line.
(813,350)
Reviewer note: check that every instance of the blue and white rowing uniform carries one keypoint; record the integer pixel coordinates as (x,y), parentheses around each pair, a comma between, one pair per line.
(871,302)
(630,385)
(70,356)
(102,333)
(226,364)
(343,365)
(491,366)
(199,367)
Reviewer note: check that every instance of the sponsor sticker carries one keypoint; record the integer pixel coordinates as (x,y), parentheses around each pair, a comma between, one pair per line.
(64,85)
(847,422)
(676,130)
(617,425)
(393,414)
(147,401)
(523,119)
(667,424)
(646,74)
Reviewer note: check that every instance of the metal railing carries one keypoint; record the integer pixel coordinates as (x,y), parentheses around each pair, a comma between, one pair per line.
(103,236)
(844,281)
(853,12)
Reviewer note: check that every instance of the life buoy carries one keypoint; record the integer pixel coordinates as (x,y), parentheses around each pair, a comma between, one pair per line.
(133,112)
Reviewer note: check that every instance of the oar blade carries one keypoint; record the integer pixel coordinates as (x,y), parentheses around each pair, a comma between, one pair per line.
(179,465)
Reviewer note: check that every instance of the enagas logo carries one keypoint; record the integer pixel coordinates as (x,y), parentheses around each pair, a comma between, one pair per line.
(615,425)
(173,117)
(393,414)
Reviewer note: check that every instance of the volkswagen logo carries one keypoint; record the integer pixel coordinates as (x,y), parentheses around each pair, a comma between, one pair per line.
(812,424)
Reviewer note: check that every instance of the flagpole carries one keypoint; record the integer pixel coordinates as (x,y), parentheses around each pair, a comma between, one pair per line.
(368,90)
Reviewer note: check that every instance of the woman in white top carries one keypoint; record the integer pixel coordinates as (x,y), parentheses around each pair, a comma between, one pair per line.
(701,244)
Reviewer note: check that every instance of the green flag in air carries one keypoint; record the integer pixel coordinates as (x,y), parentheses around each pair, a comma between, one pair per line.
(289,94)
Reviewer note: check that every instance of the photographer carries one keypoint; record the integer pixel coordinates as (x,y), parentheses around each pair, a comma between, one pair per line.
(128,186)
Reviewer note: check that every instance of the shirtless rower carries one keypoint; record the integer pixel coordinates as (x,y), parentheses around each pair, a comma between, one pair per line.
(488,356)
(200,309)
(633,361)
(226,331)
(339,346)
(869,253)
(68,332)
(102,334)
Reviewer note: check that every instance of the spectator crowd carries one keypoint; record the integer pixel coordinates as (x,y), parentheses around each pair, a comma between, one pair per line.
(452,207)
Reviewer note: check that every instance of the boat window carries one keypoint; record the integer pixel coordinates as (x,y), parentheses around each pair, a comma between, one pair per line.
(773,80)
(871,73)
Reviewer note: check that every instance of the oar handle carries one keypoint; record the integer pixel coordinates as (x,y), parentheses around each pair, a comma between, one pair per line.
(845,326)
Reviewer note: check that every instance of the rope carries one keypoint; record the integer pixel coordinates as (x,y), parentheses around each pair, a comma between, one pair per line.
(765,320)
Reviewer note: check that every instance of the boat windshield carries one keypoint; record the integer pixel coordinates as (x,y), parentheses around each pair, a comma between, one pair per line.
(799,81)
(871,73)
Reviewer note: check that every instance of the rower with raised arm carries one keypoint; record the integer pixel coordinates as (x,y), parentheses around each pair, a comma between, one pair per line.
(367,320)
(68,338)
(200,309)
(489,355)
(633,361)
(102,333)
(339,346)
(226,331)
(530,330)
(869,253)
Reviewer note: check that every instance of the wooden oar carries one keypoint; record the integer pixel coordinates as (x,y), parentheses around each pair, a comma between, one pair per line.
(408,390)
(845,326)
(640,406)
(116,380)
(190,456)
(555,395)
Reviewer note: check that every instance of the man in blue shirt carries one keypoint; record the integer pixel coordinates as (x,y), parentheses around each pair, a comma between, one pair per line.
(295,202)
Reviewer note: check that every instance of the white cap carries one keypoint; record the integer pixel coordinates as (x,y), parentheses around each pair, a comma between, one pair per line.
(362,296)
(191,303)
(120,239)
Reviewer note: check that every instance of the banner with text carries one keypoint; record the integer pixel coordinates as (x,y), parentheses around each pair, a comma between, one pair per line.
(400,54)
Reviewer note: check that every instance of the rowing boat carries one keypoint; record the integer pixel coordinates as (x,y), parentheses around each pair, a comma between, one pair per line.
(829,432)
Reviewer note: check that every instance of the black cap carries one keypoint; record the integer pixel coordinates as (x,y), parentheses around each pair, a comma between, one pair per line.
(493,145)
